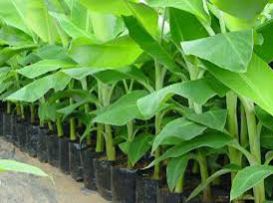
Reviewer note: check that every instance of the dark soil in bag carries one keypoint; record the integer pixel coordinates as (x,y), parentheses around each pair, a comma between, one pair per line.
(13,136)
(16,123)
(1,123)
(89,178)
(7,126)
(103,178)
(21,132)
(75,161)
(32,140)
(123,185)
(52,149)
(146,190)
(64,154)
(165,196)
(42,145)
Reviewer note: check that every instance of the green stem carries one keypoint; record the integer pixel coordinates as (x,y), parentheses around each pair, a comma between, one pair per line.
(22,112)
(179,185)
(50,127)
(254,143)
(72,129)
(18,110)
(243,131)
(86,107)
(204,176)
(110,149)
(232,125)
(159,78)
(8,108)
(59,126)
(130,132)
(99,140)
(32,114)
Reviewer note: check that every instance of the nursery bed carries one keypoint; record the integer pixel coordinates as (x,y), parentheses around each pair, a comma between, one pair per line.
(24,188)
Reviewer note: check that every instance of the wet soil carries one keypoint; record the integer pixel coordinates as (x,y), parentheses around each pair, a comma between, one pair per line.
(25,188)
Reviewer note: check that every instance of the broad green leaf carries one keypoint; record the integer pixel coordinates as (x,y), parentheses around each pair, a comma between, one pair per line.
(81,73)
(150,45)
(198,91)
(176,168)
(106,27)
(66,111)
(185,26)
(213,140)
(144,14)
(246,9)
(49,52)
(9,52)
(209,180)
(72,29)
(47,111)
(247,178)
(43,67)
(131,72)
(117,53)
(139,147)
(12,17)
(176,131)
(214,119)
(14,37)
(35,15)
(195,7)
(265,51)
(264,117)
(79,15)
(122,111)
(231,51)
(38,88)
(14,166)
(255,84)
(4,86)
(110,76)
(266,138)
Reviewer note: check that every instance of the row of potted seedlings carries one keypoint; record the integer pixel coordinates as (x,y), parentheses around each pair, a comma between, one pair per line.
(112,179)
(151,101)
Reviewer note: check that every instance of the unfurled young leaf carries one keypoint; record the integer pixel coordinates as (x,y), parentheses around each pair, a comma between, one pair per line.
(71,28)
(214,119)
(14,166)
(139,147)
(38,88)
(122,111)
(117,53)
(150,44)
(176,131)
(195,7)
(43,67)
(198,91)
(246,9)
(175,168)
(145,15)
(247,178)
(184,25)
(231,51)
(213,140)
(250,84)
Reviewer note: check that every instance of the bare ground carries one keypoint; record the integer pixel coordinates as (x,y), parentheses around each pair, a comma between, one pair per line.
(25,188)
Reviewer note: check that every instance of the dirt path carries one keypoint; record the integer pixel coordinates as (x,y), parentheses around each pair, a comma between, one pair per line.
(24,188)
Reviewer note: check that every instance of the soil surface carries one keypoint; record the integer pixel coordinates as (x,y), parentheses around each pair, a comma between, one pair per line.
(25,188)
